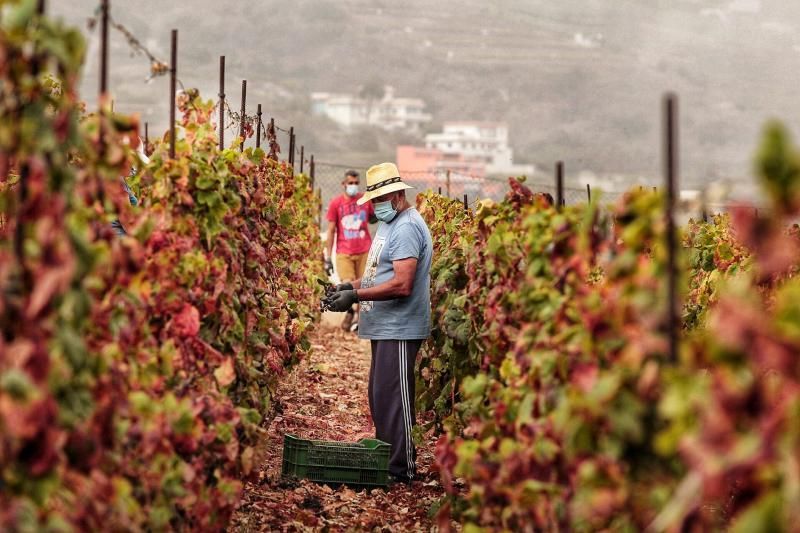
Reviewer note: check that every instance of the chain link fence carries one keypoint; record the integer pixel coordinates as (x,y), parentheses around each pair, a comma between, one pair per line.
(329,178)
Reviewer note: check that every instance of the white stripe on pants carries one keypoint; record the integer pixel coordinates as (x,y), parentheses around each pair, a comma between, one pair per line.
(391,400)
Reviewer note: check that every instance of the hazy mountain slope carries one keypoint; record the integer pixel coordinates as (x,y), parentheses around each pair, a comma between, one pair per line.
(578,80)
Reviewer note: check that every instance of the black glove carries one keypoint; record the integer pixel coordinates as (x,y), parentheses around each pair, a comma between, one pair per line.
(329,267)
(343,300)
(344,287)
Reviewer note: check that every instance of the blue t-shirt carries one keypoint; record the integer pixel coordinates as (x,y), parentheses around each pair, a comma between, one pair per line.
(406,318)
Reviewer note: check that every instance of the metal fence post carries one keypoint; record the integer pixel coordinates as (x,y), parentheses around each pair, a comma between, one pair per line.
(559,185)
(291,147)
(589,193)
(670,177)
(448,183)
(258,127)
(221,102)
(103,74)
(242,116)
(466,204)
(103,48)
(146,138)
(173,78)
(271,141)
(312,170)
(319,215)
(302,155)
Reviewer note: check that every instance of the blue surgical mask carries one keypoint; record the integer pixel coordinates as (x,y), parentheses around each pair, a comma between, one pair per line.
(351,190)
(384,211)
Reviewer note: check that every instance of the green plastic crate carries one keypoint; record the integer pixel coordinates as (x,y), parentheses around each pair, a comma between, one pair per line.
(364,463)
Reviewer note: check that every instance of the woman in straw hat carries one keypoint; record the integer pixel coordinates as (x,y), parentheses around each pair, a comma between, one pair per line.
(394,296)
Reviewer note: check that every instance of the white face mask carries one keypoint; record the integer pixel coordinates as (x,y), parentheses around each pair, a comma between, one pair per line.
(385,211)
(351,190)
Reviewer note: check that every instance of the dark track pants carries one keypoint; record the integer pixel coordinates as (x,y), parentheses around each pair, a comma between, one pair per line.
(391,400)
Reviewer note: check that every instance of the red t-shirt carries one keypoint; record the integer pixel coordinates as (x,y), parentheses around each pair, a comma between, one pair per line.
(352,224)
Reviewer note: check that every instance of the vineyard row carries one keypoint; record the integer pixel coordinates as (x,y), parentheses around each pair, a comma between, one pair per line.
(136,372)
(550,368)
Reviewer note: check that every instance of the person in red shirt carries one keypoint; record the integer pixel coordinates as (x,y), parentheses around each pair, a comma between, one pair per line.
(348,224)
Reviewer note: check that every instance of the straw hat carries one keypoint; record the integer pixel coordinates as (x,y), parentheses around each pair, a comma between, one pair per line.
(382,179)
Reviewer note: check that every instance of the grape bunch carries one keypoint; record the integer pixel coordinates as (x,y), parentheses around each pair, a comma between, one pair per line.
(330,290)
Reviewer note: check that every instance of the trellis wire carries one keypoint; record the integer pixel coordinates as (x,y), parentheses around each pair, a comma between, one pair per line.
(157,66)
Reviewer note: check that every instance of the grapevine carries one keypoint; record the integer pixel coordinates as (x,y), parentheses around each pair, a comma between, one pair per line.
(138,373)
(548,365)
(135,372)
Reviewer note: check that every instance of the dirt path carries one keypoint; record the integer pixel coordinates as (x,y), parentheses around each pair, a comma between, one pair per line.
(325,397)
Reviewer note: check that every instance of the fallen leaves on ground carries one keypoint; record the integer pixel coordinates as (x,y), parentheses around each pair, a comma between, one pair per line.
(325,398)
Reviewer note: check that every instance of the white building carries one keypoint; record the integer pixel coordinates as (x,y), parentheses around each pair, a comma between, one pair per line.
(487,141)
(341,108)
(389,113)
